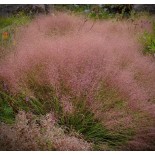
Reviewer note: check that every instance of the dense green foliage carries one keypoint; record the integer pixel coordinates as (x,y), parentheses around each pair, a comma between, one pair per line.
(148,40)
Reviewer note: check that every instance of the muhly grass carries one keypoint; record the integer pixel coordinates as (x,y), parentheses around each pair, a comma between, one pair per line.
(93,82)
(38,133)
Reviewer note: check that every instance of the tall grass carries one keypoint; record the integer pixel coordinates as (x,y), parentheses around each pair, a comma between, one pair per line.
(95,80)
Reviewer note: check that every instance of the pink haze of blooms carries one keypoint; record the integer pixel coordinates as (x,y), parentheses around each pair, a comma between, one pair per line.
(70,51)
(81,57)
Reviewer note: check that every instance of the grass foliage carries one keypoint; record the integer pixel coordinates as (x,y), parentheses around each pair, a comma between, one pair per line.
(82,120)
(98,115)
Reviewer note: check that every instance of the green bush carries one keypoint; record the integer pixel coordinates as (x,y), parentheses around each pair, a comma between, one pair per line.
(6,112)
(148,40)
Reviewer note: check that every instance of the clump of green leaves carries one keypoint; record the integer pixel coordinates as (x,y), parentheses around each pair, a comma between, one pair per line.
(148,40)
(6,111)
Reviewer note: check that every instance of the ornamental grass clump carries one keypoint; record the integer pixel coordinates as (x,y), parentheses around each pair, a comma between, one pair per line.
(95,80)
